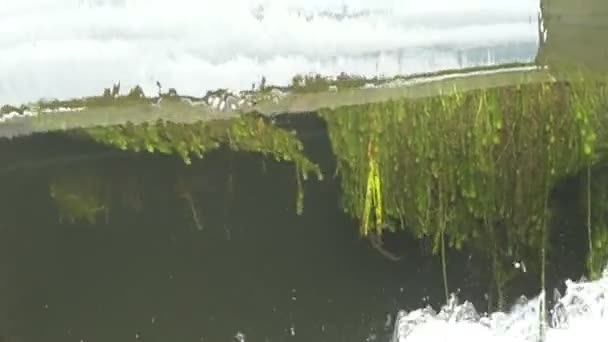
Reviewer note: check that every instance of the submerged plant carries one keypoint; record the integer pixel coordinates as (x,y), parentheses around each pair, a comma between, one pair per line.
(80,199)
(85,194)
(596,203)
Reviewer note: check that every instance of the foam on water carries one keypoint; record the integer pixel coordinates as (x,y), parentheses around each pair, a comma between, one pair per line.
(72,48)
(582,313)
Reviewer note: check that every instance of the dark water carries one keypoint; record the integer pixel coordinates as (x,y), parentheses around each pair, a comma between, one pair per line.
(143,269)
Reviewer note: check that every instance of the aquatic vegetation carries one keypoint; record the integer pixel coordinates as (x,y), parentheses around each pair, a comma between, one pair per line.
(596,203)
(468,167)
(249,133)
(87,194)
(79,199)
(475,167)
(185,193)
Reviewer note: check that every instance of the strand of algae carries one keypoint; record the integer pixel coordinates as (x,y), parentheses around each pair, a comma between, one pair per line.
(596,198)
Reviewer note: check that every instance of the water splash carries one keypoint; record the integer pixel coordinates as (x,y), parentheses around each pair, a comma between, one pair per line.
(581,312)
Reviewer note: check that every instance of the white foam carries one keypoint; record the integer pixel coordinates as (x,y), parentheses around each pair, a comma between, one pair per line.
(582,313)
(72,48)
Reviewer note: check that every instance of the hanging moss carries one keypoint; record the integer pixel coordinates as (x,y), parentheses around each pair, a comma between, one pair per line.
(249,133)
(596,203)
(466,164)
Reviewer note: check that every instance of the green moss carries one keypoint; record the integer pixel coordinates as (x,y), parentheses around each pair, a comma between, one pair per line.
(596,192)
(86,194)
(248,133)
(468,165)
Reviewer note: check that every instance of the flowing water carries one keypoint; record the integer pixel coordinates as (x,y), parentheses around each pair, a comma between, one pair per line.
(255,228)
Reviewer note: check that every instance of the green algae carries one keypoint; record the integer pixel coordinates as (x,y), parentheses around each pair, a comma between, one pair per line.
(249,133)
(87,194)
(79,199)
(596,198)
(468,166)
(82,199)
(474,168)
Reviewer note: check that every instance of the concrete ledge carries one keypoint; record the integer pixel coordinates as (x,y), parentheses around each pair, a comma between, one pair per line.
(185,110)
